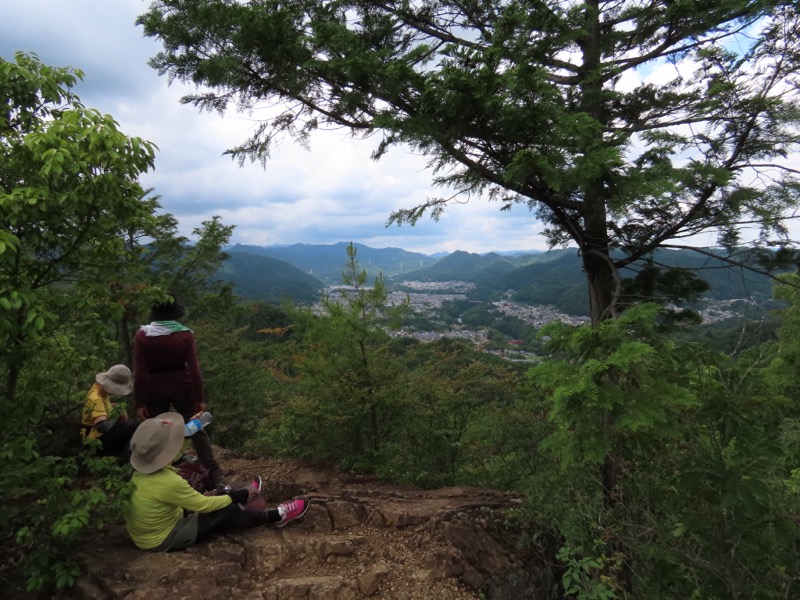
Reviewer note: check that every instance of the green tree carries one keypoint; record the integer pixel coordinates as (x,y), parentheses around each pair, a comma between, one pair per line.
(68,191)
(239,346)
(452,391)
(159,260)
(343,404)
(189,267)
(81,249)
(697,497)
(530,103)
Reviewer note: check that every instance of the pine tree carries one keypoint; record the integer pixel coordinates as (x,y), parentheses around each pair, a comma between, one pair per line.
(622,126)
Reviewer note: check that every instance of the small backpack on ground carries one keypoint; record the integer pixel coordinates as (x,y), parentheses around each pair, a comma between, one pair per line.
(196,474)
(198,477)
(256,500)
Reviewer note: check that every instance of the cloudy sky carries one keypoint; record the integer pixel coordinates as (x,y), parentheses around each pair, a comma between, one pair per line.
(332,193)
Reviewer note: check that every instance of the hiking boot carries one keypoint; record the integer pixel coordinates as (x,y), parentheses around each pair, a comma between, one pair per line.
(293,509)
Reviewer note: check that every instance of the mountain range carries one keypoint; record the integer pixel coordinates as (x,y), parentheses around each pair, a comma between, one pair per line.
(326,262)
(300,272)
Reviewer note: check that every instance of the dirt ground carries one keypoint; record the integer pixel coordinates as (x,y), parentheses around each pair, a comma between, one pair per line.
(362,538)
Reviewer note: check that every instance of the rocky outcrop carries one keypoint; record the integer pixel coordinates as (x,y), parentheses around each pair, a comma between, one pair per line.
(360,539)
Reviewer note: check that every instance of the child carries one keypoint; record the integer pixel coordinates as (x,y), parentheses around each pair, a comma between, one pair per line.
(105,420)
(154,515)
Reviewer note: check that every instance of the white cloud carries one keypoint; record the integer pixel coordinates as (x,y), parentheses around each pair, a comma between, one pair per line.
(334,192)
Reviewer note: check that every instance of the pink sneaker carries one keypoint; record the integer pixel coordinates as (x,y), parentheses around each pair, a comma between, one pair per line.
(291,510)
(256,483)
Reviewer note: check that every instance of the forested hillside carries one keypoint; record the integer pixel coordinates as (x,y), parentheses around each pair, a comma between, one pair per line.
(266,279)
(462,266)
(553,278)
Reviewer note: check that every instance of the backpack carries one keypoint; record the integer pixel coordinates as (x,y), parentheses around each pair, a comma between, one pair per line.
(198,477)
(196,474)
(256,500)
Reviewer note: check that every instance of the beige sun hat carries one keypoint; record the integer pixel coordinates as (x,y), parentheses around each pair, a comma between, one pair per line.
(117,380)
(156,442)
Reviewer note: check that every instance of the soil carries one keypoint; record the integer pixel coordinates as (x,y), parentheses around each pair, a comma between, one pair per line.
(362,538)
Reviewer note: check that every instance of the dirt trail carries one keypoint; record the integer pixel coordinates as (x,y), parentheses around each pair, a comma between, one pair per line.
(362,538)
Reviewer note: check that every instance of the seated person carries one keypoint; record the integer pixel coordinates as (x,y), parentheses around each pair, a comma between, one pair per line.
(154,515)
(105,420)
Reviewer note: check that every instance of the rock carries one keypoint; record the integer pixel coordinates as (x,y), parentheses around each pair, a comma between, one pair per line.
(362,539)
(443,564)
(318,519)
(86,590)
(479,547)
(311,588)
(345,514)
(375,519)
(338,548)
(226,552)
(368,583)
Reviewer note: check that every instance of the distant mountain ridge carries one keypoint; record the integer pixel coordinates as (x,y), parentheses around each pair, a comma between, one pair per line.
(300,272)
(326,262)
(475,268)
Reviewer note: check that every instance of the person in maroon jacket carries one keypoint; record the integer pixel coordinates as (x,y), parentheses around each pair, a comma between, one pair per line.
(167,372)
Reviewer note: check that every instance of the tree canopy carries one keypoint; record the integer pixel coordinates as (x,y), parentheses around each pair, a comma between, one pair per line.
(622,126)
(69,192)
(82,250)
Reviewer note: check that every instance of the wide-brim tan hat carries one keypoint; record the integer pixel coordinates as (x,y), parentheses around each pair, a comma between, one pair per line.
(117,381)
(156,442)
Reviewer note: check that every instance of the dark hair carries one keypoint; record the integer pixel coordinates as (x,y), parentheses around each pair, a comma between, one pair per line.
(167,311)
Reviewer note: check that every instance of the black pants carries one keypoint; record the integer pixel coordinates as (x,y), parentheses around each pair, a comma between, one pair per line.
(196,527)
(158,403)
(116,441)
(230,517)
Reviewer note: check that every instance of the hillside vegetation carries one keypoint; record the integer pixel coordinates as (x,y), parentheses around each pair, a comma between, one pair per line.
(266,279)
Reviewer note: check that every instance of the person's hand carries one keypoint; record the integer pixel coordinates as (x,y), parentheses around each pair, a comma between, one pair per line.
(217,491)
(142,413)
(239,496)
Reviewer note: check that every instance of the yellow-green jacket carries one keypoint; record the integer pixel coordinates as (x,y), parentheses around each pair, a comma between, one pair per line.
(158,502)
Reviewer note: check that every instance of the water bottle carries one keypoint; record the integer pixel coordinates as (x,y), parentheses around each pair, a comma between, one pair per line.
(196,424)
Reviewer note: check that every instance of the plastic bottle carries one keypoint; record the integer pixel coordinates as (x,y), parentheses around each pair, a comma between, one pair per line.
(196,424)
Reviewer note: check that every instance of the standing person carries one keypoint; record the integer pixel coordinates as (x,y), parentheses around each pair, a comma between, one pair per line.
(167,373)
(105,420)
(154,515)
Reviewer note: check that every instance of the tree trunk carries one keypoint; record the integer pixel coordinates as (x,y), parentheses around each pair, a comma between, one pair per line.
(125,339)
(595,242)
(602,282)
(13,354)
